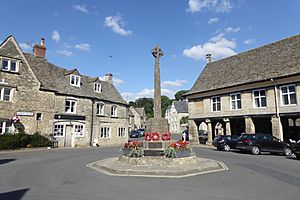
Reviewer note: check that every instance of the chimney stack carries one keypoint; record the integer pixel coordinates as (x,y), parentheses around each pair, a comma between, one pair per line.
(108,78)
(208,58)
(39,50)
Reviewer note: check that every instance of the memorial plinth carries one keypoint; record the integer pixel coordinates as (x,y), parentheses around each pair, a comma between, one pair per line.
(159,125)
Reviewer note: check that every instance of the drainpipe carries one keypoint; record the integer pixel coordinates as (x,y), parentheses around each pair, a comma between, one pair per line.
(92,123)
(276,98)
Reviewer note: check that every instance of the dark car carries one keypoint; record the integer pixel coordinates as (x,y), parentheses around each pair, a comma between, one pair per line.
(296,149)
(258,142)
(141,131)
(203,137)
(134,134)
(225,142)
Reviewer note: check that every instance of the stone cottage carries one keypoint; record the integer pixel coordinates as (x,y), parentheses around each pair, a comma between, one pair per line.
(176,114)
(38,96)
(257,91)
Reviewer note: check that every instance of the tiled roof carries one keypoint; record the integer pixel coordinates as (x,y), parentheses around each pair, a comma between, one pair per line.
(10,50)
(181,106)
(57,79)
(278,59)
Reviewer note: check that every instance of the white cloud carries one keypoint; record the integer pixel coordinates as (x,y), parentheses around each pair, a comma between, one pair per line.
(117,25)
(176,83)
(213,20)
(83,46)
(232,30)
(218,46)
(56,36)
(116,81)
(215,5)
(65,52)
(249,41)
(147,93)
(24,46)
(81,8)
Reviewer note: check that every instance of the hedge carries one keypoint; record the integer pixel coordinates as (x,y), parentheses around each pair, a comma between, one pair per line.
(23,140)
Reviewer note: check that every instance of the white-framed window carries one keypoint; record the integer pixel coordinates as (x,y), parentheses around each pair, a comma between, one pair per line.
(97,87)
(75,80)
(100,108)
(121,132)
(5,94)
(70,106)
(236,102)
(104,131)
(259,98)
(5,127)
(39,116)
(78,130)
(215,104)
(59,130)
(114,111)
(9,65)
(288,95)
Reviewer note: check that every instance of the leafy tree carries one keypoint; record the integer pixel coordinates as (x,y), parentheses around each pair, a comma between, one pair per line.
(165,102)
(178,95)
(147,103)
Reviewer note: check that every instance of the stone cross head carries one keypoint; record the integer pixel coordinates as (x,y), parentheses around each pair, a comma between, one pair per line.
(157,52)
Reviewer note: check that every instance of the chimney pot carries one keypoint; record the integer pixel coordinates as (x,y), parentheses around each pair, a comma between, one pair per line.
(108,78)
(208,58)
(43,41)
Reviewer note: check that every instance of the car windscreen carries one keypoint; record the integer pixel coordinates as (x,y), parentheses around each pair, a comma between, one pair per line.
(247,137)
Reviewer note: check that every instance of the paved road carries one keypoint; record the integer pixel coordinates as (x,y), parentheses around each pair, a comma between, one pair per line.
(62,174)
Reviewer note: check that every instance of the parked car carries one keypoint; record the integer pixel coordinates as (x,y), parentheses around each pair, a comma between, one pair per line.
(203,137)
(225,142)
(141,131)
(134,134)
(296,148)
(258,142)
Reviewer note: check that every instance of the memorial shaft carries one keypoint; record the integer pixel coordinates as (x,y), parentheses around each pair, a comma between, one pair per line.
(157,53)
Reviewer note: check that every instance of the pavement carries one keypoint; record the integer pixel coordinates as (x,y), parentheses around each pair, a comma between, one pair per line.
(62,174)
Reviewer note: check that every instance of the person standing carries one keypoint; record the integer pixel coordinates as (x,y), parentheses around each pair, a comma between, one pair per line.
(185,134)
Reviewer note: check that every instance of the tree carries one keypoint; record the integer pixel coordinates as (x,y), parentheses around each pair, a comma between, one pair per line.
(178,95)
(165,102)
(147,103)
(184,120)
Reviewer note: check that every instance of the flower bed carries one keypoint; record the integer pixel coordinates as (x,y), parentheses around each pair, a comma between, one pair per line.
(178,149)
(133,149)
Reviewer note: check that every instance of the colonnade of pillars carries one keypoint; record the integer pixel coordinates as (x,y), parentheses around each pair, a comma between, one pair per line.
(217,127)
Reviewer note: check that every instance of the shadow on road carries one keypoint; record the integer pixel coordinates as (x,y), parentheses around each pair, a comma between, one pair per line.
(4,161)
(13,195)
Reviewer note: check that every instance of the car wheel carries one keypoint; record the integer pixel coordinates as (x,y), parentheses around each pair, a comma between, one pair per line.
(255,150)
(226,147)
(288,152)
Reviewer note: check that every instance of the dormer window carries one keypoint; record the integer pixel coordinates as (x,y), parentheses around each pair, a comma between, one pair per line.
(97,87)
(75,80)
(9,65)
(114,111)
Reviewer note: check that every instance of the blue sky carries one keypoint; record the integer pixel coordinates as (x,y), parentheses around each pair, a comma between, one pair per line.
(116,36)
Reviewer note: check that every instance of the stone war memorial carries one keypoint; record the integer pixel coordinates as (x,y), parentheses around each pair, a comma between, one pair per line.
(158,155)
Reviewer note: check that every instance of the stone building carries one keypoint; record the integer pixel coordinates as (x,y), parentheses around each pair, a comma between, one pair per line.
(139,117)
(174,113)
(75,109)
(254,91)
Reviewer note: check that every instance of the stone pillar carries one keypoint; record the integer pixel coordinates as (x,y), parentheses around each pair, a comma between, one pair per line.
(209,131)
(277,127)
(193,132)
(249,125)
(157,53)
(228,129)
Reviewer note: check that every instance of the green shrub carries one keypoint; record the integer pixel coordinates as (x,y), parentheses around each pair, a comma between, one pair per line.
(22,140)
